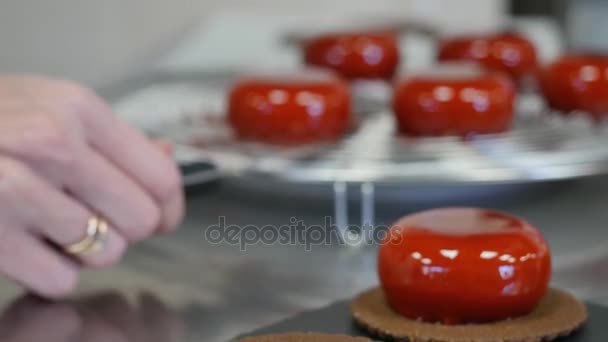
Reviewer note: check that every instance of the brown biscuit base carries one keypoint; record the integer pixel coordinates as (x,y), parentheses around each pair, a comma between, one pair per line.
(305,337)
(558,314)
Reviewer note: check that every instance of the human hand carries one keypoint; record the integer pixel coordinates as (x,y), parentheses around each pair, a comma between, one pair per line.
(64,157)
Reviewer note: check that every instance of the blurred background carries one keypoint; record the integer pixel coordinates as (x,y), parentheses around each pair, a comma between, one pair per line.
(99,42)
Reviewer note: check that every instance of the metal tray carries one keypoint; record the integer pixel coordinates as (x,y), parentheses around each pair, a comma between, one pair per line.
(189,109)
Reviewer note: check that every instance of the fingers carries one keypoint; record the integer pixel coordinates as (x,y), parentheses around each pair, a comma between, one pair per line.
(63,157)
(132,152)
(108,191)
(23,257)
(57,217)
(33,264)
(92,179)
(64,221)
(157,172)
(57,115)
(124,146)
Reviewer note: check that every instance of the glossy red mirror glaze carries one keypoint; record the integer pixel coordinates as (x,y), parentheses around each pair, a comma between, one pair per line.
(290,109)
(577,82)
(355,55)
(463,265)
(464,104)
(506,52)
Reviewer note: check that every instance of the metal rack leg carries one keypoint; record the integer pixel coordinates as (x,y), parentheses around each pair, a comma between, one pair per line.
(367,211)
(368,206)
(341,209)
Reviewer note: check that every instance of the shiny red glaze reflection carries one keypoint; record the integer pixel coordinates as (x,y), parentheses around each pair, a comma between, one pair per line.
(355,55)
(577,82)
(290,109)
(454,105)
(507,52)
(463,265)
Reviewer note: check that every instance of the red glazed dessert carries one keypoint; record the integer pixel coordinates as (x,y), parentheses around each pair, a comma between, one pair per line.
(454,102)
(463,265)
(290,109)
(355,55)
(506,52)
(577,82)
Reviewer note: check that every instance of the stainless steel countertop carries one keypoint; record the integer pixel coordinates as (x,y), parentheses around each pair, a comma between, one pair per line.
(197,291)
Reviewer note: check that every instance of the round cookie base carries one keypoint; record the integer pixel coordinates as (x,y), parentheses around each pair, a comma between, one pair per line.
(305,337)
(558,314)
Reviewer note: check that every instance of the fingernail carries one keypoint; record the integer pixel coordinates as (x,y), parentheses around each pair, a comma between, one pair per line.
(165,146)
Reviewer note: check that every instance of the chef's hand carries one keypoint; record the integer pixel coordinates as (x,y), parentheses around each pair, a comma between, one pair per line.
(64,157)
(103,318)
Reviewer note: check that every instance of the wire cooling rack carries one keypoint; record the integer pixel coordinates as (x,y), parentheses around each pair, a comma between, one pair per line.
(372,159)
(541,146)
